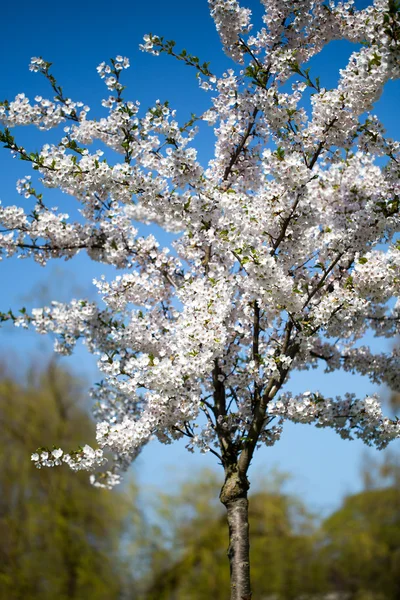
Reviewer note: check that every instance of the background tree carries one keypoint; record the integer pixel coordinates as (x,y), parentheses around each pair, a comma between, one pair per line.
(57,533)
(278,261)
(352,554)
(361,541)
(284,553)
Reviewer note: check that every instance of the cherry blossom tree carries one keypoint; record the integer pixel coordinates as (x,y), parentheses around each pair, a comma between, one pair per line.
(285,250)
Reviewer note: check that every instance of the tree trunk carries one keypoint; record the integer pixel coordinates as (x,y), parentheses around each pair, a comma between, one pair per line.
(234,497)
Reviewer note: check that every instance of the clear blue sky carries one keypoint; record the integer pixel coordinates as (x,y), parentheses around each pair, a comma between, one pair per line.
(76,38)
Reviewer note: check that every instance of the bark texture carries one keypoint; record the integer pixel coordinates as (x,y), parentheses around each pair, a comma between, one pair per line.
(234,497)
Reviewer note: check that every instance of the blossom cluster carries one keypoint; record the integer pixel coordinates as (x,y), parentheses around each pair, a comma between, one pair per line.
(349,416)
(84,459)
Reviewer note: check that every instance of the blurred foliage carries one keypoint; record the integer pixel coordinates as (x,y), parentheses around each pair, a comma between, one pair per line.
(363,545)
(354,554)
(62,539)
(361,541)
(191,563)
(57,532)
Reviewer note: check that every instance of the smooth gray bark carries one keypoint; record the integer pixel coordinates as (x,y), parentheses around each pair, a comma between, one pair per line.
(234,497)
(239,547)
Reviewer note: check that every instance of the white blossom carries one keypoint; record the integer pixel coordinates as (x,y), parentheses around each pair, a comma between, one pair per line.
(285,250)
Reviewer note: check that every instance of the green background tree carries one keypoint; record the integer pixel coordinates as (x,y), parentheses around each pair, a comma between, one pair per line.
(59,536)
(283,550)
(353,554)
(62,539)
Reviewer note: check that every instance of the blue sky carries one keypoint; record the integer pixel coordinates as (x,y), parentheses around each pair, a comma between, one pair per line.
(76,39)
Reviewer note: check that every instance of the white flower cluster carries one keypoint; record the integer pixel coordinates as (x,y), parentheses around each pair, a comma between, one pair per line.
(85,459)
(231,21)
(106,480)
(285,248)
(111,73)
(149,42)
(348,416)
